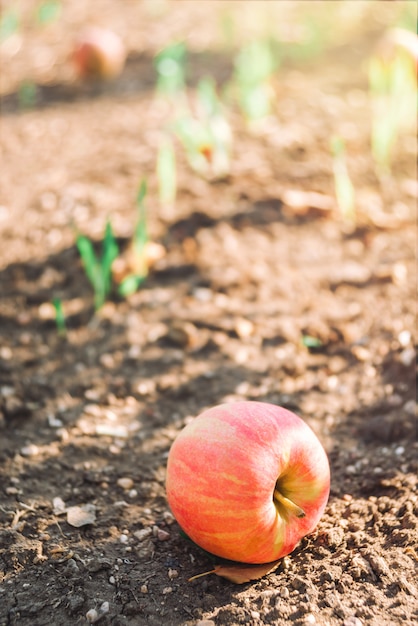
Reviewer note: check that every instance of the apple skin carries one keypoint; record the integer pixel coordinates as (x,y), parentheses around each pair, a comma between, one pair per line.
(222,472)
(99,53)
(400,38)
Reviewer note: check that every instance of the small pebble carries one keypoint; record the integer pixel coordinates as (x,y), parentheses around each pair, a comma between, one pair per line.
(104,608)
(404,338)
(92,616)
(255,614)
(123,538)
(125,483)
(12,491)
(172,573)
(59,506)
(63,434)
(183,334)
(30,450)
(407,356)
(244,328)
(286,563)
(53,422)
(399,450)
(143,533)
(168,517)
(310,618)
(144,589)
(6,353)
(112,580)
(162,535)
(167,590)
(410,407)
(145,387)
(284,593)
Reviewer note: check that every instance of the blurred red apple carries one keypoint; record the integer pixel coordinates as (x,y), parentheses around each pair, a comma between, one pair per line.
(99,53)
(247,480)
(399,39)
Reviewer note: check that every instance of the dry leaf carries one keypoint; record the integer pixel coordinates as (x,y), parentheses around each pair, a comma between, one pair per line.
(241,574)
(81,515)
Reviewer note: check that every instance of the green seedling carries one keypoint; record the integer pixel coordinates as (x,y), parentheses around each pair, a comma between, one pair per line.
(228,28)
(166,173)
(311,342)
(27,94)
(316,28)
(407,17)
(59,317)
(9,24)
(254,68)
(344,189)
(48,12)
(170,66)
(205,133)
(392,83)
(138,247)
(99,270)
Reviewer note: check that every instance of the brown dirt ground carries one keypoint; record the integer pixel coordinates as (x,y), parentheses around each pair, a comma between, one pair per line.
(220,317)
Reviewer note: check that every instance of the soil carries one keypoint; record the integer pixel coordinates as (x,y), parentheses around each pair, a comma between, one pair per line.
(261,295)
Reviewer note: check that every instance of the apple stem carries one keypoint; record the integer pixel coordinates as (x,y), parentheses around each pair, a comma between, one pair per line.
(212,571)
(290,507)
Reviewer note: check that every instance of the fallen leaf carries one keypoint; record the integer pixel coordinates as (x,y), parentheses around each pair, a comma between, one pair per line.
(78,516)
(241,574)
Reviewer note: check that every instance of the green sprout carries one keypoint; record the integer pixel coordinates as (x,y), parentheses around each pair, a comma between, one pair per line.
(139,242)
(166,173)
(169,64)
(316,30)
(99,270)
(205,133)
(254,68)
(48,11)
(27,94)
(311,342)
(392,83)
(344,189)
(9,24)
(59,317)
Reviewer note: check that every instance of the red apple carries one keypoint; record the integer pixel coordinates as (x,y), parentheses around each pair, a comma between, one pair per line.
(399,39)
(99,53)
(247,480)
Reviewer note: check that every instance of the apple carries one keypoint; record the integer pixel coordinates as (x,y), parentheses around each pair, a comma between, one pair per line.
(247,480)
(99,53)
(400,38)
